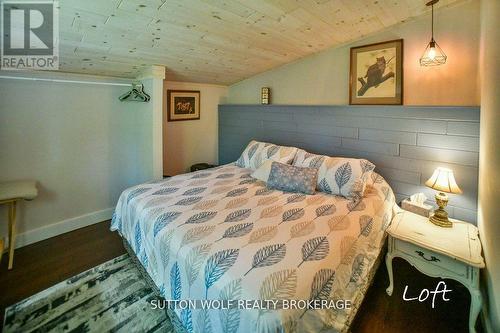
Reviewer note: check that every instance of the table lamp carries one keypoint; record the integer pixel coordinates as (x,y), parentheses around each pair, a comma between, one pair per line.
(442,180)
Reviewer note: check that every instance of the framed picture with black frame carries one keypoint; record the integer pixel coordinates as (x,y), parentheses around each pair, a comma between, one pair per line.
(376,74)
(183,105)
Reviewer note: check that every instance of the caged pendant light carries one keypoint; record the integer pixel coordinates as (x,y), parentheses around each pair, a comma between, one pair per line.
(433,54)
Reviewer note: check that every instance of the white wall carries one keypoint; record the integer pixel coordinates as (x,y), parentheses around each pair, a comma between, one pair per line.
(192,141)
(489,157)
(80,143)
(323,78)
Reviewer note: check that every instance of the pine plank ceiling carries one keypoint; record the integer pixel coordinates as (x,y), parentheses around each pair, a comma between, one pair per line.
(214,41)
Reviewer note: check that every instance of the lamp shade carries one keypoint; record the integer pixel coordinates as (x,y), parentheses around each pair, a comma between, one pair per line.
(433,55)
(443,180)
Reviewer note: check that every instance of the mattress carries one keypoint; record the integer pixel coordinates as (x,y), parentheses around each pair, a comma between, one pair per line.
(220,234)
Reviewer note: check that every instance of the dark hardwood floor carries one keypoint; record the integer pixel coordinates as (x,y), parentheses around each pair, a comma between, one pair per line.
(382,313)
(41,265)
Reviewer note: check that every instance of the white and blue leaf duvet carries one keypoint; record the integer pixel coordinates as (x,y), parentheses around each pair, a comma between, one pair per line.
(315,249)
(237,230)
(194,191)
(175,282)
(268,255)
(188,201)
(163,220)
(230,318)
(217,265)
(238,215)
(201,217)
(135,193)
(208,235)
(186,319)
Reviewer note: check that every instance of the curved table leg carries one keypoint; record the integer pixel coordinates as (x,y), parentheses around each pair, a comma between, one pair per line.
(388,264)
(475,307)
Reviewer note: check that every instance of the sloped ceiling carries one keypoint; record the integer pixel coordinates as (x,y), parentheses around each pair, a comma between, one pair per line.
(214,41)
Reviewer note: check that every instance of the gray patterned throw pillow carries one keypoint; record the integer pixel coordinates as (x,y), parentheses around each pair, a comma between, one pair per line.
(290,178)
(337,175)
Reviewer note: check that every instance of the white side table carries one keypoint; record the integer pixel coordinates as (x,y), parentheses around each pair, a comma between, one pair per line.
(10,193)
(452,253)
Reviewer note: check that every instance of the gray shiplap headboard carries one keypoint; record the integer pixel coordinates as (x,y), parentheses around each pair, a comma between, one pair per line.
(406,143)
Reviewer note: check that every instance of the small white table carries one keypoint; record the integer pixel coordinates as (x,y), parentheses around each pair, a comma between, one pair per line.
(452,253)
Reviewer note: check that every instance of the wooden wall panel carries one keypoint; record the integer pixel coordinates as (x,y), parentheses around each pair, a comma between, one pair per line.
(215,41)
(405,143)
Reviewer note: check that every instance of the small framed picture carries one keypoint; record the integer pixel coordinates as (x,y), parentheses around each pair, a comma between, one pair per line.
(376,73)
(183,105)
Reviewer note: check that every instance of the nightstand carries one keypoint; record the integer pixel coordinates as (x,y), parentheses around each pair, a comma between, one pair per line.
(451,253)
(202,166)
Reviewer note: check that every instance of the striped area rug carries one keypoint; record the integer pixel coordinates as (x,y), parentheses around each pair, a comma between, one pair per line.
(112,297)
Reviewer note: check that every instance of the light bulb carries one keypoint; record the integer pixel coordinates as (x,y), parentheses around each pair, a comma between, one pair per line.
(432,53)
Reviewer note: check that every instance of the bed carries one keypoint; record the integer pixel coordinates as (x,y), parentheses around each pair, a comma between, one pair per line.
(221,234)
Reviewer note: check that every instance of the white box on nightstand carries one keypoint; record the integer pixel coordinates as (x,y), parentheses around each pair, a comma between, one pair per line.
(419,209)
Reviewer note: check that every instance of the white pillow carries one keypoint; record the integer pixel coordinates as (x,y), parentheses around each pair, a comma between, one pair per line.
(256,153)
(337,175)
(262,173)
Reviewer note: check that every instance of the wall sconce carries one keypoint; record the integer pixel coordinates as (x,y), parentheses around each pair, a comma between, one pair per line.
(433,54)
(265,95)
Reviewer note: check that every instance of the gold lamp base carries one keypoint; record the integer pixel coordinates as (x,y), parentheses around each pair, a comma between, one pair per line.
(440,217)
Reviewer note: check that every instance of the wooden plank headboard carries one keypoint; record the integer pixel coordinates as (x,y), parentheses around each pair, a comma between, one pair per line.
(406,143)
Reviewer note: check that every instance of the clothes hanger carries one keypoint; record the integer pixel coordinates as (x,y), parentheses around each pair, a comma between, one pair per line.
(141,93)
(136,94)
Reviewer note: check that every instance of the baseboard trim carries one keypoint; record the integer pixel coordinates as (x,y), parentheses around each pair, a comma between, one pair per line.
(61,227)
